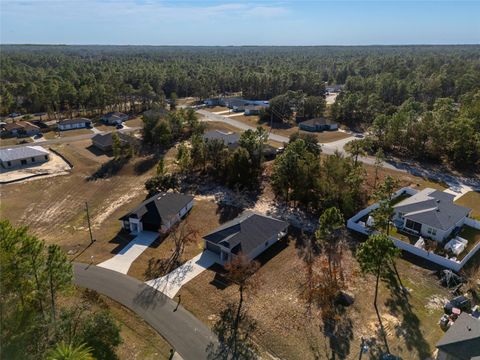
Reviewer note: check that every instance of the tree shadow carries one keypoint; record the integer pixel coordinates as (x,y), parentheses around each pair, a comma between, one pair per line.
(97,152)
(409,329)
(227,212)
(339,331)
(108,169)
(145,164)
(229,339)
(149,298)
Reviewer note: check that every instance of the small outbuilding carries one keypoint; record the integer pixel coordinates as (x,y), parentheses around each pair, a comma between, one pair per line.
(76,123)
(250,234)
(158,213)
(318,124)
(23,156)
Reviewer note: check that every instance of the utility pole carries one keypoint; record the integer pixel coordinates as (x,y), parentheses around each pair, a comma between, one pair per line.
(89,226)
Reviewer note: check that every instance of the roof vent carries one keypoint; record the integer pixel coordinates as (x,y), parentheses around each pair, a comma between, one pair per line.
(469,328)
(437,209)
(438,201)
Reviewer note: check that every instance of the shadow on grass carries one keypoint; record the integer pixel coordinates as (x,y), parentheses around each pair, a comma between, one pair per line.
(409,329)
(339,331)
(109,169)
(227,212)
(145,164)
(97,152)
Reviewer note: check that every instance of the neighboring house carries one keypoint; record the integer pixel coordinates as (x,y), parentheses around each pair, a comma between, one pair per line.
(23,156)
(20,128)
(249,234)
(430,213)
(318,124)
(114,118)
(76,123)
(158,213)
(236,104)
(462,340)
(105,141)
(212,102)
(228,138)
(333,88)
(254,109)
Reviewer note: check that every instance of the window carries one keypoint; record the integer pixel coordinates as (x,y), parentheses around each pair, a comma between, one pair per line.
(266,243)
(23,161)
(33,159)
(9,163)
(432,231)
(46,157)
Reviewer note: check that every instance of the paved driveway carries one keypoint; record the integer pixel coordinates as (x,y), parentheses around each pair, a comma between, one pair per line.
(188,335)
(171,283)
(124,259)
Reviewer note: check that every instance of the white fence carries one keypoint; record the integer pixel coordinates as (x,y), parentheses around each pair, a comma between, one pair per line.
(454,265)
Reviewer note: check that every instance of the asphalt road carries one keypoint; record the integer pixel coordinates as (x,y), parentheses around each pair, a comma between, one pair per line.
(454,182)
(66,139)
(188,335)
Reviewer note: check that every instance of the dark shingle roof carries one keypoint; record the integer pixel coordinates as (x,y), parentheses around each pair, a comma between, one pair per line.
(317,122)
(246,232)
(19,125)
(227,138)
(74,121)
(160,208)
(21,153)
(107,140)
(462,340)
(433,208)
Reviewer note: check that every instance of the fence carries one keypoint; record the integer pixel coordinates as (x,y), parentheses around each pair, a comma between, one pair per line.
(451,264)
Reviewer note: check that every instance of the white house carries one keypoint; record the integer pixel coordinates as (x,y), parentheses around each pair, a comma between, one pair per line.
(430,213)
(158,213)
(23,156)
(76,123)
(249,234)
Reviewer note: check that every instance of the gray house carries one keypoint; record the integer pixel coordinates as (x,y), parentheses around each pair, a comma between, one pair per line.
(430,213)
(158,213)
(255,109)
(114,118)
(462,340)
(249,234)
(23,156)
(76,123)
(104,142)
(318,124)
(228,138)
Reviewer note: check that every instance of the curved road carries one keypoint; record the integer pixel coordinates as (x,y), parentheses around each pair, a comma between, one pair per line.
(188,335)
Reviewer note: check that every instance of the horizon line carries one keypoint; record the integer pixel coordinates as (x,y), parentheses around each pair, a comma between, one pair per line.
(244,45)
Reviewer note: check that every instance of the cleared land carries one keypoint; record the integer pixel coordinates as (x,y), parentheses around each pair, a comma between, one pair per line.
(135,122)
(216,108)
(14,141)
(286,331)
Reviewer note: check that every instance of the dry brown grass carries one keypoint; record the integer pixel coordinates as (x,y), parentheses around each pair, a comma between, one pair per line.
(285,329)
(216,108)
(217,125)
(135,122)
(471,200)
(75,132)
(14,141)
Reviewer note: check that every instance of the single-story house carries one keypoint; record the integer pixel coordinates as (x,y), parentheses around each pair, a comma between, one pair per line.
(20,128)
(254,109)
(105,141)
(228,138)
(23,156)
(462,340)
(76,123)
(334,88)
(318,124)
(249,234)
(212,102)
(430,213)
(114,118)
(158,213)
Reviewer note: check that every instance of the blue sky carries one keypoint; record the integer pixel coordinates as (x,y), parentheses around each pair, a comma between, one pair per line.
(155,22)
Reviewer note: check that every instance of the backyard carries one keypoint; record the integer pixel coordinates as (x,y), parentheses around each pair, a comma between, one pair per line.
(471,200)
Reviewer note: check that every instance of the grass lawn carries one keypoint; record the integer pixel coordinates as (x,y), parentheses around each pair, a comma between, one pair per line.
(50,135)
(135,122)
(471,200)
(75,132)
(285,330)
(14,141)
(472,235)
(104,127)
(217,125)
(216,108)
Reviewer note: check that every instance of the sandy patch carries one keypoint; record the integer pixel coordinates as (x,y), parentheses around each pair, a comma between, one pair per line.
(54,167)
(435,302)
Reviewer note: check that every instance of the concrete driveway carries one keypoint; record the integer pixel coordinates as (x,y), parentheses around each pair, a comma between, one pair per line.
(124,259)
(171,283)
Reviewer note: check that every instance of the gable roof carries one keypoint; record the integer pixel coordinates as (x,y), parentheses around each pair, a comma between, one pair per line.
(74,121)
(107,139)
(19,125)
(246,232)
(114,114)
(160,208)
(226,137)
(320,121)
(21,153)
(462,340)
(433,208)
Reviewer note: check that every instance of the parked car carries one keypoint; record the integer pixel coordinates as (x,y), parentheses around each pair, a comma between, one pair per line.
(459,302)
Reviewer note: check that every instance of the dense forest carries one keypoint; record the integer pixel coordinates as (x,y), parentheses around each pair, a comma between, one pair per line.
(425,95)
